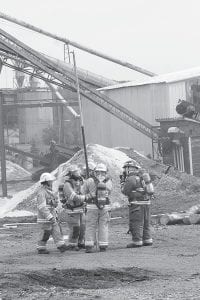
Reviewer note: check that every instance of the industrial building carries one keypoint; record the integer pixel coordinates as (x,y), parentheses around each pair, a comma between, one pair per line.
(152,99)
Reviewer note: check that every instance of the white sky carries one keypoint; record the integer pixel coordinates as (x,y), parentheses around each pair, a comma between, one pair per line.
(157,35)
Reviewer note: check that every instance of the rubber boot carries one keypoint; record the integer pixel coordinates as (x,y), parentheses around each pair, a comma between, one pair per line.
(132,245)
(89,249)
(102,248)
(147,244)
(43,251)
(81,246)
(63,248)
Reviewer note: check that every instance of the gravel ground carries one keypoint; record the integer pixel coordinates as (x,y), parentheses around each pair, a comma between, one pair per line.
(170,269)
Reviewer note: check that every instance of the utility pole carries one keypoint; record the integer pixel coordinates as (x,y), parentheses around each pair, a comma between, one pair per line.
(81,114)
(2,149)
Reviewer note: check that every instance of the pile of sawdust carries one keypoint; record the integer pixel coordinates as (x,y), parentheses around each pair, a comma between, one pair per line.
(174,191)
(114,159)
(15,172)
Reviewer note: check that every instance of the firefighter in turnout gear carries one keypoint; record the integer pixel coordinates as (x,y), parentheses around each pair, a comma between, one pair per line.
(91,168)
(74,202)
(47,215)
(98,208)
(137,186)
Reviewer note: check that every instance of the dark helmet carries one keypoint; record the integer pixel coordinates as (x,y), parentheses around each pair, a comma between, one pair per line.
(131,163)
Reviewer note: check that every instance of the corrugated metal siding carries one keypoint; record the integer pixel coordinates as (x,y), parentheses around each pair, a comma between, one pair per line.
(137,100)
(195,143)
(148,102)
(159,102)
(177,91)
(97,124)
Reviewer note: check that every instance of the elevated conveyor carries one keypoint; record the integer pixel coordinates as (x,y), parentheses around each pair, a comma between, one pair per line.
(40,66)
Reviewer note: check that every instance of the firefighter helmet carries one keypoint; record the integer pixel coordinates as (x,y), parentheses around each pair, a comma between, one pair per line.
(131,163)
(74,171)
(47,177)
(91,166)
(101,168)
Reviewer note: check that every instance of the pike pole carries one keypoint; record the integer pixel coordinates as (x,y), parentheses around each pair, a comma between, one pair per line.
(81,114)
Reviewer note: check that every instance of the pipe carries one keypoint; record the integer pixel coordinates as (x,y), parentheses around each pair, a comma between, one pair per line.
(77,45)
(81,115)
(60,97)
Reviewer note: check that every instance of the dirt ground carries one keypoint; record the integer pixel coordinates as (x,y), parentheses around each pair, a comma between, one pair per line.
(170,269)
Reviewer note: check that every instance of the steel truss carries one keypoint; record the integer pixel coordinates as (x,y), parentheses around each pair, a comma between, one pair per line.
(18,56)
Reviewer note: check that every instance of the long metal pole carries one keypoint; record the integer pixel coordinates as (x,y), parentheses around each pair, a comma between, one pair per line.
(81,115)
(77,45)
(2,149)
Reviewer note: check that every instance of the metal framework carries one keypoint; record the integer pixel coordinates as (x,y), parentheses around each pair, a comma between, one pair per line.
(77,45)
(38,65)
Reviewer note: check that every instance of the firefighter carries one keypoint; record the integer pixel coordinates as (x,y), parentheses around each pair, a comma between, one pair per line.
(74,202)
(137,186)
(91,168)
(47,215)
(98,208)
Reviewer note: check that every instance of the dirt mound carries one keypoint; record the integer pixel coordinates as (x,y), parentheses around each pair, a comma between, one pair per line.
(15,172)
(113,158)
(174,191)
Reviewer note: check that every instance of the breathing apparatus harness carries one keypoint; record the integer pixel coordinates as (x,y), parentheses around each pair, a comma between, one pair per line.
(64,200)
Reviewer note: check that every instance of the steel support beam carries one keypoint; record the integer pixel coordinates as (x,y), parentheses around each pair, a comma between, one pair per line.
(40,104)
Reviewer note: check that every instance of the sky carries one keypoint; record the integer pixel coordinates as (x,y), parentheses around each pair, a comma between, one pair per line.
(158,35)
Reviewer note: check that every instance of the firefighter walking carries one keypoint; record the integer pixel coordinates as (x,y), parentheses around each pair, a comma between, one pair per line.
(98,209)
(137,186)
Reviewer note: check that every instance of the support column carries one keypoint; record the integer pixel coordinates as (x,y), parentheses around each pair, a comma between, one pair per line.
(61,125)
(2,149)
(190,155)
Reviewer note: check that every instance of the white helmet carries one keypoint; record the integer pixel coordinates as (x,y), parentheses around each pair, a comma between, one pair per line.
(91,166)
(101,168)
(74,170)
(47,177)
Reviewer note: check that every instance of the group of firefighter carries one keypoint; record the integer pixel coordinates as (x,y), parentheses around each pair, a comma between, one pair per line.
(86,198)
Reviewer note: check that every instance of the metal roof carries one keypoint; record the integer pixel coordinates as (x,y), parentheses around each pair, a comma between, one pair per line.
(178,119)
(163,78)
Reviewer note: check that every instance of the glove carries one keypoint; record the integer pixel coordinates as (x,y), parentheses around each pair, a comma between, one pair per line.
(53,220)
(140,190)
(88,197)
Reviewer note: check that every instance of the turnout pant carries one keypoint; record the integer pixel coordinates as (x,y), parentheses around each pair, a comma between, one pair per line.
(47,230)
(76,225)
(140,223)
(97,223)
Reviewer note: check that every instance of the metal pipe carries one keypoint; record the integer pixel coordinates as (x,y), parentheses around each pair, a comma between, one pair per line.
(60,97)
(2,149)
(81,115)
(77,45)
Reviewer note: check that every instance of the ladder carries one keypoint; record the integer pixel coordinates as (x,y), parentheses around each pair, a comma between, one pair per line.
(44,68)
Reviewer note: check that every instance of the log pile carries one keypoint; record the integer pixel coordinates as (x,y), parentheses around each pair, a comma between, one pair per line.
(191,216)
